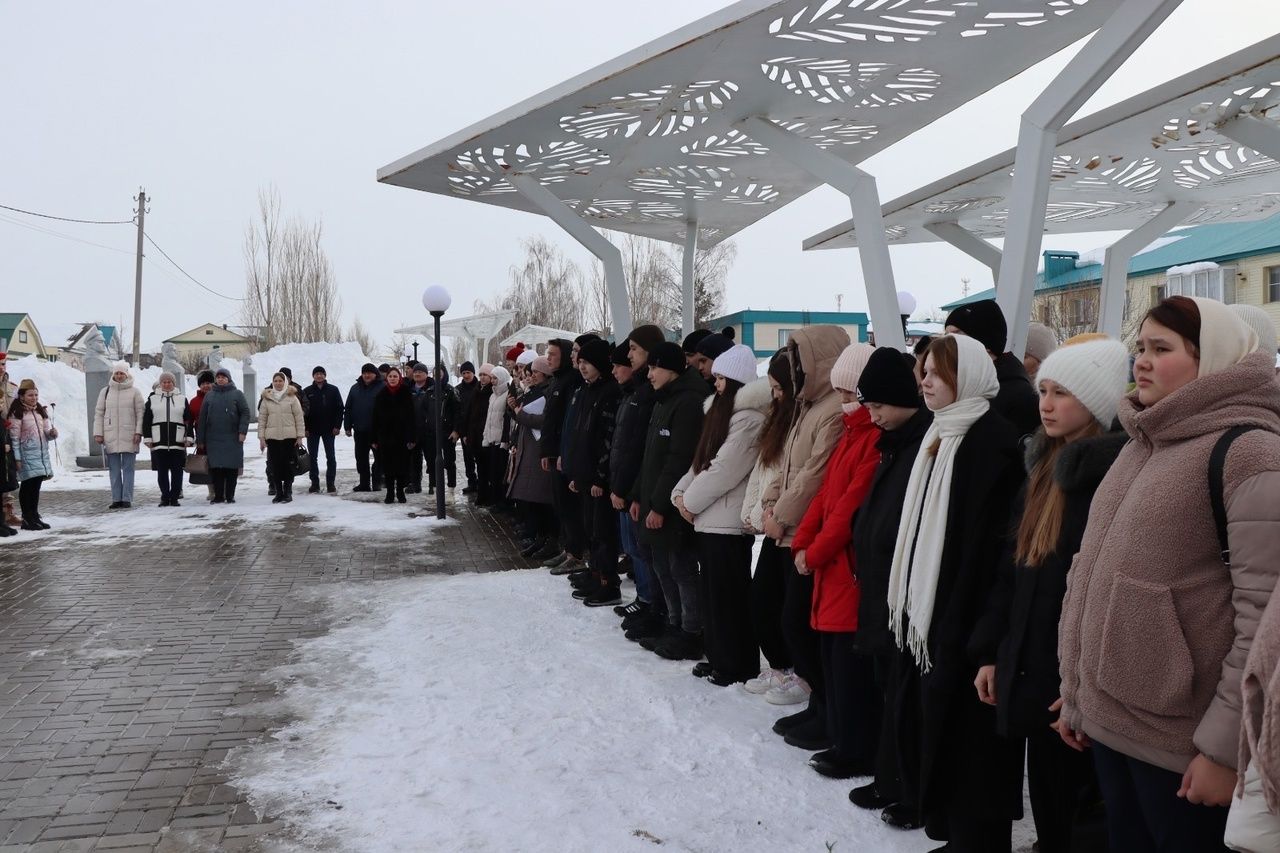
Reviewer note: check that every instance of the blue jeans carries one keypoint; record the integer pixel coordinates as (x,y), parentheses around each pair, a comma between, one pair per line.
(121,466)
(639,555)
(330,463)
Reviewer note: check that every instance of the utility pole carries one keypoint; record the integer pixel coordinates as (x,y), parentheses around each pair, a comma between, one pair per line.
(141,199)
(964,287)
(839,302)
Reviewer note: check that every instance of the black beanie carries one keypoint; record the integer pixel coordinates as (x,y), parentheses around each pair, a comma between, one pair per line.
(466,365)
(369,368)
(647,337)
(888,379)
(596,353)
(729,332)
(984,322)
(584,338)
(668,355)
(205,376)
(288,374)
(713,345)
(566,350)
(621,353)
(694,338)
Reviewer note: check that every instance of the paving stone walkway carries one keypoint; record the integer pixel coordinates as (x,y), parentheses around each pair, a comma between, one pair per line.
(122,667)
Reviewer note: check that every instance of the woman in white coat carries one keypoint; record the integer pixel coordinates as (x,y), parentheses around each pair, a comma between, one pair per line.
(710,497)
(117,426)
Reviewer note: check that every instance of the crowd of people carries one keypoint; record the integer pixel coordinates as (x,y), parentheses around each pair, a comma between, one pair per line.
(970,569)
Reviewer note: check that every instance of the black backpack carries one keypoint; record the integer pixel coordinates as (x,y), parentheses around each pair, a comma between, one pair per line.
(1217,466)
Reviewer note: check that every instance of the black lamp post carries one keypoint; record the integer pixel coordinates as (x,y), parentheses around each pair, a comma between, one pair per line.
(906,305)
(436,300)
(415,350)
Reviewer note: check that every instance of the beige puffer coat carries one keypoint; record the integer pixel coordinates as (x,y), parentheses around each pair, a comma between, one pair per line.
(817,428)
(1155,629)
(280,420)
(715,496)
(117,417)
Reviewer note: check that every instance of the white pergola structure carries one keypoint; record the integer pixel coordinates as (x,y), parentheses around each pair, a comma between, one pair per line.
(697,135)
(532,334)
(478,329)
(1202,148)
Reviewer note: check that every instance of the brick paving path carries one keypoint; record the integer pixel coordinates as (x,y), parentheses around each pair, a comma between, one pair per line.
(118,666)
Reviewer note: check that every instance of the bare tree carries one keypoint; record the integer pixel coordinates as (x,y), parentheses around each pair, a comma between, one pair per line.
(546,289)
(459,351)
(193,361)
(361,336)
(654,273)
(290,289)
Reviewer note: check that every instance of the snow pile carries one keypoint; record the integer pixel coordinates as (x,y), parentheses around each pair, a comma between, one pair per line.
(342,363)
(1189,269)
(494,712)
(63,386)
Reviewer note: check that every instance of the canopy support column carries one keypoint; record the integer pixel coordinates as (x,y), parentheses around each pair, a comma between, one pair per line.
(688,296)
(1259,134)
(1115,269)
(864,201)
(1129,26)
(969,243)
(591,239)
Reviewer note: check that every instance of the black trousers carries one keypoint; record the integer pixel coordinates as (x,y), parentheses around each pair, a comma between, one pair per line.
(330,462)
(768,589)
(903,725)
(364,447)
(573,536)
(600,520)
(888,782)
(280,458)
(730,643)
(29,498)
(1144,812)
(469,464)
(802,641)
(1057,776)
(494,484)
(424,455)
(169,466)
(224,483)
(853,703)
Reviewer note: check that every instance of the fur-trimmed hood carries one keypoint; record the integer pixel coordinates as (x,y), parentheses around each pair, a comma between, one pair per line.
(289,391)
(754,396)
(1081,464)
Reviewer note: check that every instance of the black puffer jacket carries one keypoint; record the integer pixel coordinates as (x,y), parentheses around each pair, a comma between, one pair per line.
(1016,401)
(359,411)
(1019,632)
(559,393)
(466,393)
(875,530)
(424,410)
(323,408)
(670,442)
(392,420)
(632,425)
(594,410)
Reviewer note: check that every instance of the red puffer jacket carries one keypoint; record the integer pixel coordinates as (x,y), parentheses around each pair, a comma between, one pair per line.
(826,531)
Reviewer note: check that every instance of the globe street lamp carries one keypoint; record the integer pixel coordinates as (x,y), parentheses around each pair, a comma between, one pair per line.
(436,300)
(906,307)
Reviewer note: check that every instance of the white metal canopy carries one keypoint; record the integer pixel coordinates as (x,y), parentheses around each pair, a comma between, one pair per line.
(532,334)
(1182,142)
(477,329)
(648,141)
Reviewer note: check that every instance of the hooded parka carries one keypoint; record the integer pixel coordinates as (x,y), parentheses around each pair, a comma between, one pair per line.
(117,416)
(817,427)
(224,417)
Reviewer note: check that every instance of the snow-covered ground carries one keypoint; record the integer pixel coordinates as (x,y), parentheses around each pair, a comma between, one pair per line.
(494,712)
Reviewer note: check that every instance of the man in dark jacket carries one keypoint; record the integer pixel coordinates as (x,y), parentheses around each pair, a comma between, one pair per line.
(473,425)
(1017,402)
(358,419)
(587,467)
(634,409)
(424,415)
(887,387)
(564,382)
(467,387)
(322,404)
(670,442)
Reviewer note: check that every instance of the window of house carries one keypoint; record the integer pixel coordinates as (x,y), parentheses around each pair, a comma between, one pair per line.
(22,337)
(1158,293)
(1273,284)
(784,337)
(208,331)
(1218,283)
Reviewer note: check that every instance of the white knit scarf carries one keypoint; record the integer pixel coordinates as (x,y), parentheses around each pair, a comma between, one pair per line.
(917,554)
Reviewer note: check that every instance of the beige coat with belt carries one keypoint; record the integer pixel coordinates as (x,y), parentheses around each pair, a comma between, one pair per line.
(1155,629)
(280,419)
(817,427)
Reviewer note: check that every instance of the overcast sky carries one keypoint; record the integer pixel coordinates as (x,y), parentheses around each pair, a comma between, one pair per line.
(203,104)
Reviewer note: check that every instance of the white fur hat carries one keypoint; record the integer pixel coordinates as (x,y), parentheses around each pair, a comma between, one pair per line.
(1095,372)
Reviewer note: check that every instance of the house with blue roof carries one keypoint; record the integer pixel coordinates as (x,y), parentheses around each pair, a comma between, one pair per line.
(1235,262)
(766,332)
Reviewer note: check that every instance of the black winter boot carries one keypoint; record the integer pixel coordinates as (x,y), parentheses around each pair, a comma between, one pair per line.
(287,486)
(391,495)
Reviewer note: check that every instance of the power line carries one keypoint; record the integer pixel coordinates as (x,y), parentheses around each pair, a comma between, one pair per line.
(53,233)
(189,275)
(68,218)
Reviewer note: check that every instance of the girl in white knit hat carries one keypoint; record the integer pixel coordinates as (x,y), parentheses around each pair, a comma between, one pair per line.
(1080,388)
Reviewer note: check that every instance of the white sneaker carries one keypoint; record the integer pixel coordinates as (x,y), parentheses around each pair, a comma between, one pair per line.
(768,679)
(792,691)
